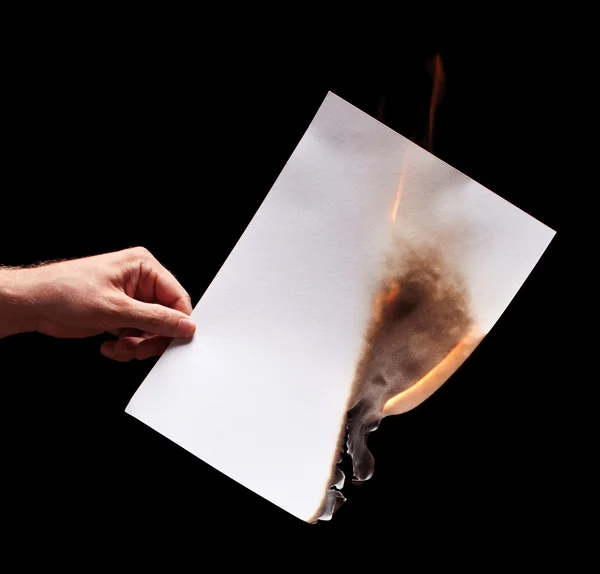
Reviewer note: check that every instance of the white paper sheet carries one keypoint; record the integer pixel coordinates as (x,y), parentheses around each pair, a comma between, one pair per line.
(262,390)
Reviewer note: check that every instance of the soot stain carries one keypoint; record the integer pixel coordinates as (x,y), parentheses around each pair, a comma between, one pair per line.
(421,313)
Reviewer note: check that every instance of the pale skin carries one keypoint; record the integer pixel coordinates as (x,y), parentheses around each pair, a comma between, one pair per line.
(127,293)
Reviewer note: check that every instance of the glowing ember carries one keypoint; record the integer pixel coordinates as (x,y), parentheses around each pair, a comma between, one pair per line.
(433,380)
(384,299)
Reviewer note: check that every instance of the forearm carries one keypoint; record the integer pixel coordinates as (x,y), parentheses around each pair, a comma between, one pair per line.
(17,307)
(127,293)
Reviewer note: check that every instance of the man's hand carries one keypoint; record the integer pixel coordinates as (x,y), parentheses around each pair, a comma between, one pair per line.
(128,293)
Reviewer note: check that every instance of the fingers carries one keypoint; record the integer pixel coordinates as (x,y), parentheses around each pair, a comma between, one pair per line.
(170,292)
(128,348)
(152,347)
(156,284)
(148,317)
(154,318)
(126,332)
(122,350)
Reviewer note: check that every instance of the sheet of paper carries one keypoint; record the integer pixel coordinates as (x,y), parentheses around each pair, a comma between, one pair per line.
(359,236)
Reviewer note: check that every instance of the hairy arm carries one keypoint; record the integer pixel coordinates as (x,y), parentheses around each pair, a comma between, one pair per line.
(17,308)
(127,293)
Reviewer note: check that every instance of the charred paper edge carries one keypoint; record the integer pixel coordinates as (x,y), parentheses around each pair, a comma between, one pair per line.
(333,497)
(405,401)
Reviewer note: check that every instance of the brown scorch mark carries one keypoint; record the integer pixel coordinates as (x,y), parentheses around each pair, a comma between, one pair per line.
(421,316)
(420,332)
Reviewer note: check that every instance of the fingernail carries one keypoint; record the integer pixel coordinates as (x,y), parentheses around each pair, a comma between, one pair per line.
(186,328)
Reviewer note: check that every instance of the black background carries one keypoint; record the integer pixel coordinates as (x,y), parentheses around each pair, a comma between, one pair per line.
(171,141)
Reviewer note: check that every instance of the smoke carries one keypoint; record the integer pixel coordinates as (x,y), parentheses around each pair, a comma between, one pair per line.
(420,315)
(413,332)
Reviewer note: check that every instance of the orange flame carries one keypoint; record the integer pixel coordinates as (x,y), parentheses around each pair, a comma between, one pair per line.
(436,70)
(434,379)
(396,203)
(385,298)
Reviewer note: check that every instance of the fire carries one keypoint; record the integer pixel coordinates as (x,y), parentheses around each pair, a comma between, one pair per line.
(434,379)
(396,204)
(384,299)
(436,70)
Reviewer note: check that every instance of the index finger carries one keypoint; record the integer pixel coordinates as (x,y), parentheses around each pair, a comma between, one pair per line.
(169,292)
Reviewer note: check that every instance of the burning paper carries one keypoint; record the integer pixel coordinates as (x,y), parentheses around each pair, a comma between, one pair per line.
(368,275)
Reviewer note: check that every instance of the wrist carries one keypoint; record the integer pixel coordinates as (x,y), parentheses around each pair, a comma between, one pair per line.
(18,306)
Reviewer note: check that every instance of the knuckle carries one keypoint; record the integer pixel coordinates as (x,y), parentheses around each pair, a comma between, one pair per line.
(140,252)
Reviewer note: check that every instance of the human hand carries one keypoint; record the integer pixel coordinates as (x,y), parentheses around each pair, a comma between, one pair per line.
(127,293)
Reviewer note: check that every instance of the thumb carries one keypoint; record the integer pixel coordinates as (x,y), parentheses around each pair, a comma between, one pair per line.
(156,319)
